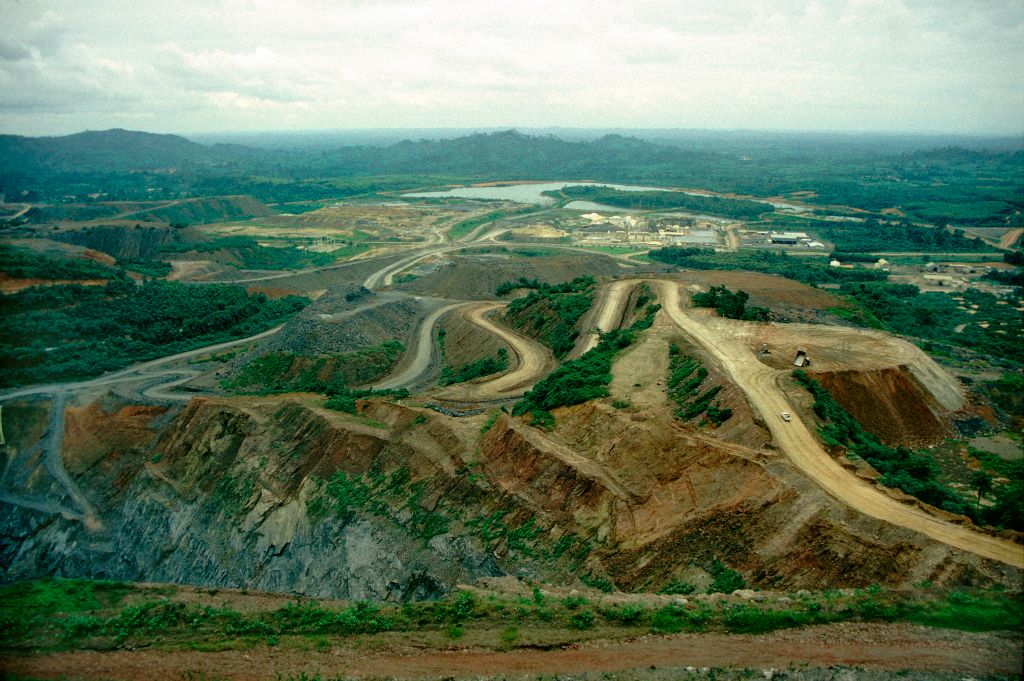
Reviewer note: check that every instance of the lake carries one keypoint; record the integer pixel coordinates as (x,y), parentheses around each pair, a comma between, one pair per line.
(523,193)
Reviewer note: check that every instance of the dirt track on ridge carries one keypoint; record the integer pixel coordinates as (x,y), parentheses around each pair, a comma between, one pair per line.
(606,314)
(533,362)
(759,382)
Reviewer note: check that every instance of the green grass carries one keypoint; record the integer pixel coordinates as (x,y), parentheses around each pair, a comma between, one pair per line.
(613,250)
(62,614)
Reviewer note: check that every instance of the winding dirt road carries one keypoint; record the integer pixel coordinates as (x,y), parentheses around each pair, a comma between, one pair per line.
(760,383)
(424,353)
(533,362)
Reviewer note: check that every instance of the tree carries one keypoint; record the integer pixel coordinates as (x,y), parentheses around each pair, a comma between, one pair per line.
(982,483)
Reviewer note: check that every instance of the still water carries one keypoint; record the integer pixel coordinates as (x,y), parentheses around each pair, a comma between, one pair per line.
(523,193)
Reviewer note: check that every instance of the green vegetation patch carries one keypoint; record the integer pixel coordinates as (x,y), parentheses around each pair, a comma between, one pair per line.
(464,227)
(875,236)
(583,379)
(903,308)
(657,200)
(481,367)
(64,332)
(509,286)
(804,269)
(280,372)
(147,268)
(551,312)
(21,263)
(685,378)
(731,305)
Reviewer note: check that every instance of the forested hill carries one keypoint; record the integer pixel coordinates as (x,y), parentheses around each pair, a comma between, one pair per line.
(961,187)
(111,151)
(515,155)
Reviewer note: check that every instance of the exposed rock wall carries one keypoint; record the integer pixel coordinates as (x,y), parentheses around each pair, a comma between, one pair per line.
(400,503)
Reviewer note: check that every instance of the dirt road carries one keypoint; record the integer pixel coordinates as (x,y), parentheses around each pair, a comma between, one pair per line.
(533,362)
(605,315)
(135,372)
(759,382)
(423,353)
(891,647)
(1010,238)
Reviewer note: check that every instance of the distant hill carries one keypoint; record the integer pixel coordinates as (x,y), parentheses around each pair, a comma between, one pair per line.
(106,151)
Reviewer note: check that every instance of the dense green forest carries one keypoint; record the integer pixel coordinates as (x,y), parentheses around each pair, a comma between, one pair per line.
(20,263)
(805,269)
(875,236)
(550,312)
(657,200)
(64,332)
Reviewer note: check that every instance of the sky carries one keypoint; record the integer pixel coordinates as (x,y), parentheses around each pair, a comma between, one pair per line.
(188,66)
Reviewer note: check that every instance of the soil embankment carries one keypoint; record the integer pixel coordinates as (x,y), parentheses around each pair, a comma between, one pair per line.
(476,276)
(889,403)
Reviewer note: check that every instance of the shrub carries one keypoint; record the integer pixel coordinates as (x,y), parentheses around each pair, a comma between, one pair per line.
(726,580)
(583,619)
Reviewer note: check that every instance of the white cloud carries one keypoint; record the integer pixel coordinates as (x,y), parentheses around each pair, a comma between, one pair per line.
(261,64)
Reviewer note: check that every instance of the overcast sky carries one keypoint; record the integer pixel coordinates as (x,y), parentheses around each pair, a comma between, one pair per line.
(191,66)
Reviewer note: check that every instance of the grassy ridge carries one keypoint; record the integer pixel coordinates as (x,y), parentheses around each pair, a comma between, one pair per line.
(251,256)
(551,311)
(583,379)
(686,376)
(21,263)
(65,614)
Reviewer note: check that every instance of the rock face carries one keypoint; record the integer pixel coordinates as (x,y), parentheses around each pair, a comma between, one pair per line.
(399,503)
(219,498)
